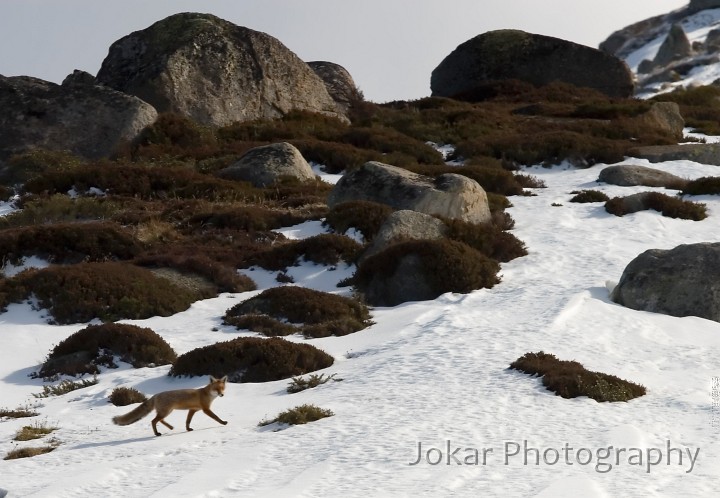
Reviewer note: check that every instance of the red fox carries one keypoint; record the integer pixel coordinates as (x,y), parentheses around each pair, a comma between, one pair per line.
(182,399)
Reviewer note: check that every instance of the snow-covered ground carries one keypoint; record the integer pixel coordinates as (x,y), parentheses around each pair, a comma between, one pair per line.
(428,375)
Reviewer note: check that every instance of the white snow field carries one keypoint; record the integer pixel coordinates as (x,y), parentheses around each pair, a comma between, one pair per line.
(427,376)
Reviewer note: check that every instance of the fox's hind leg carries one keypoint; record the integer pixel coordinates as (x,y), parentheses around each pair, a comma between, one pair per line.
(161,418)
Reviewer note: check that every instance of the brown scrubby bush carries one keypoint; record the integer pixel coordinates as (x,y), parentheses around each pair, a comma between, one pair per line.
(707,185)
(107,291)
(585,196)
(21,167)
(69,242)
(141,181)
(223,277)
(334,156)
(252,359)
(324,249)
(309,312)
(302,414)
(423,269)
(365,216)
(251,218)
(123,396)
(672,207)
(59,208)
(487,238)
(97,345)
(570,379)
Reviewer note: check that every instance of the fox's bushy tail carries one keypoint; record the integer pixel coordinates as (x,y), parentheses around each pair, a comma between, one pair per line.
(131,417)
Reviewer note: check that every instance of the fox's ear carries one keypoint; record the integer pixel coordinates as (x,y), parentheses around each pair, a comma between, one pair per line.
(212,379)
(224,379)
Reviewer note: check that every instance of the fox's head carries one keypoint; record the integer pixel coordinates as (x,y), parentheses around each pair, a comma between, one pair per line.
(218,385)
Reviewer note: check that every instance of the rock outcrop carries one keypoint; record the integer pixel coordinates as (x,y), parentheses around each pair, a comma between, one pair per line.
(79,116)
(266,165)
(699,153)
(677,59)
(213,71)
(338,81)
(663,116)
(449,195)
(698,5)
(629,175)
(676,46)
(684,281)
(537,59)
(405,225)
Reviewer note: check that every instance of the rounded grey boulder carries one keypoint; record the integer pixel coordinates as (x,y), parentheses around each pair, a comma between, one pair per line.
(405,225)
(537,59)
(629,175)
(213,71)
(338,81)
(449,195)
(684,281)
(265,165)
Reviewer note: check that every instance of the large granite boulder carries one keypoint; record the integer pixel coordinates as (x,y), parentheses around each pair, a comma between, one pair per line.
(449,195)
(630,175)
(78,116)
(538,59)
(213,71)
(684,281)
(405,225)
(338,81)
(266,165)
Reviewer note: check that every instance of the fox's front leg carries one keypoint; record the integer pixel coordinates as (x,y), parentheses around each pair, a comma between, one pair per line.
(189,418)
(210,414)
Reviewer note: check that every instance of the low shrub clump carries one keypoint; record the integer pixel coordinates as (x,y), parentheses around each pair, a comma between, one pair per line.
(28,452)
(20,412)
(324,249)
(141,181)
(310,312)
(123,396)
(585,196)
(34,431)
(487,238)
(96,345)
(252,359)
(59,208)
(107,291)
(707,185)
(299,384)
(299,415)
(423,269)
(216,277)
(672,207)
(365,216)
(570,379)
(64,387)
(21,167)
(69,242)
(249,218)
